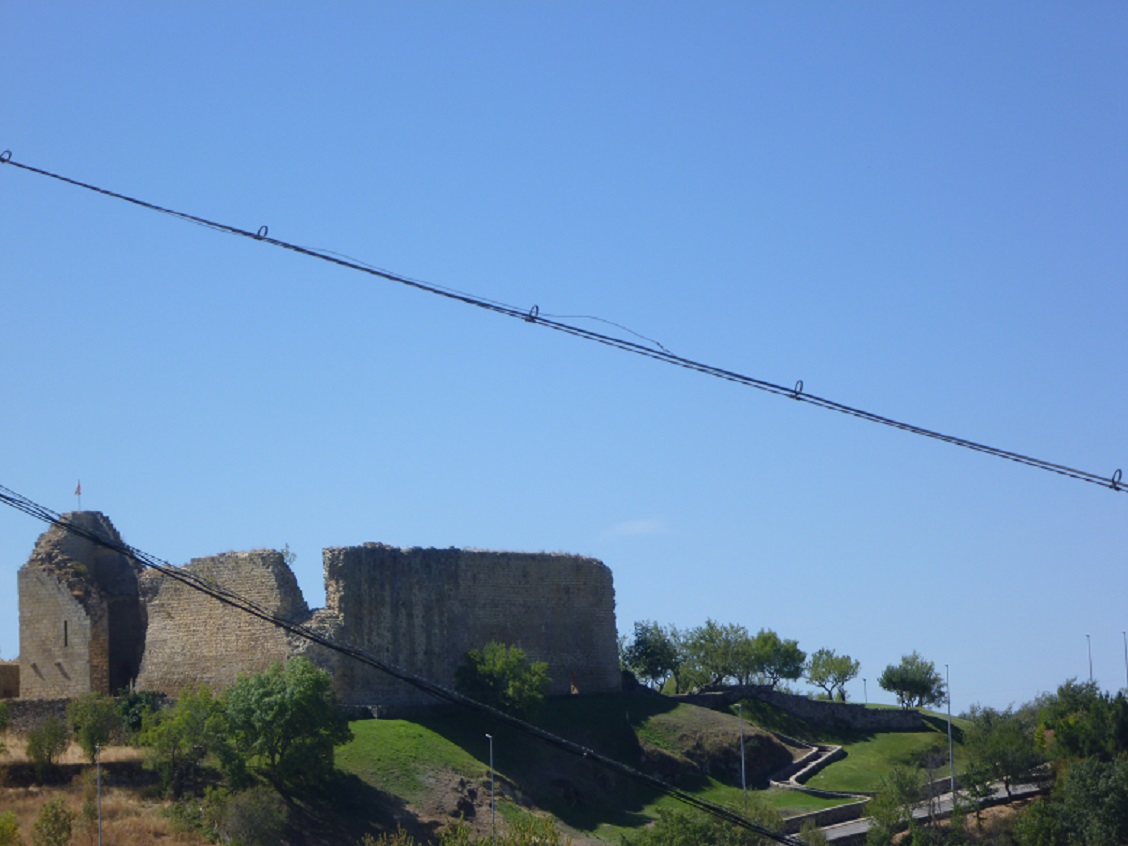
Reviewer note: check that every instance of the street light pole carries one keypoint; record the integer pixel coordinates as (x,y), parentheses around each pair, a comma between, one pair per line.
(865,690)
(951,755)
(98,769)
(493,830)
(1125,659)
(1089,641)
(743,783)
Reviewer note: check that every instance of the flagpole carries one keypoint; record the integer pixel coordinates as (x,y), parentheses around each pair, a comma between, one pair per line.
(78,494)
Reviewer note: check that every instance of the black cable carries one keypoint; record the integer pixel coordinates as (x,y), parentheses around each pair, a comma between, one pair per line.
(533,316)
(27,506)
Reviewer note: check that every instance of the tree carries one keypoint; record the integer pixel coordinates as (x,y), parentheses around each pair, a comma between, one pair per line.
(719,652)
(1001,746)
(1088,808)
(287,721)
(53,825)
(45,743)
(94,718)
(653,654)
(179,738)
(831,672)
(914,681)
(502,677)
(775,659)
(1080,720)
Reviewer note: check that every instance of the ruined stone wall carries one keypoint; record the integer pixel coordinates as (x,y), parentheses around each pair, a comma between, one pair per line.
(81,622)
(423,609)
(195,639)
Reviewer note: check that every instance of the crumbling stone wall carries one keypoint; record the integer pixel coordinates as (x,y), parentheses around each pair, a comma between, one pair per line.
(82,626)
(195,639)
(89,622)
(423,609)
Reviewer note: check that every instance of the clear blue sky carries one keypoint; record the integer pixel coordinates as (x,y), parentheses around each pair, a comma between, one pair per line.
(921,211)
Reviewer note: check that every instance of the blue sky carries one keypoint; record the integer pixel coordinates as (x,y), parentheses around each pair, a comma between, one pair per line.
(920,211)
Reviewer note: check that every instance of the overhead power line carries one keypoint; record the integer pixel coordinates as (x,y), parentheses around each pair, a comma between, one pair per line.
(656,352)
(241,603)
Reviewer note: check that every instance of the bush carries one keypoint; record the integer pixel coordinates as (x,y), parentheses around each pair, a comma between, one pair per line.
(255,817)
(45,743)
(53,825)
(10,830)
(502,677)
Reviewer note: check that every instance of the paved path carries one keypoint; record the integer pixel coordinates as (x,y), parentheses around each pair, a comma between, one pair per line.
(856,829)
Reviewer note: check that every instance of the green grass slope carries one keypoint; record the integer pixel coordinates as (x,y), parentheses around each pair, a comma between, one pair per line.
(439,765)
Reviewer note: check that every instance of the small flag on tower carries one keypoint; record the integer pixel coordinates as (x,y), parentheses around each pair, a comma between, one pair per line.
(78,488)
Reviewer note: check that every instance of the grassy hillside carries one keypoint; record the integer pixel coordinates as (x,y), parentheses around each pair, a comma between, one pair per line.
(439,765)
(868,754)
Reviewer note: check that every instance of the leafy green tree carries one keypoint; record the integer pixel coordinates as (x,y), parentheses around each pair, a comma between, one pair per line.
(1001,745)
(775,659)
(53,825)
(45,743)
(94,718)
(179,738)
(1080,720)
(914,681)
(653,654)
(901,788)
(719,653)
(831,672)
(1089,807)
(503,677)
(10,829)
(287,721)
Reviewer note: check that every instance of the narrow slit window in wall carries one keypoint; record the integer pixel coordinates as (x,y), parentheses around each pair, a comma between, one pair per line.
(66,634)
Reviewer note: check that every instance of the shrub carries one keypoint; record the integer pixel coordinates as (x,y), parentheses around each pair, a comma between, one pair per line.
(10,830)
(53,825)
(255,817)
(45,743)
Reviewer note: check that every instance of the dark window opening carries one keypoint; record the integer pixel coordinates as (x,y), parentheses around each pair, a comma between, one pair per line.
(66,637)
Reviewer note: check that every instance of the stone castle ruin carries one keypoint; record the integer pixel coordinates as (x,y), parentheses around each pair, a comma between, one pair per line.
(91,620)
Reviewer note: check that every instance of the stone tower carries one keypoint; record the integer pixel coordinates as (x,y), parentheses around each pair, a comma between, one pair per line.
(82,624)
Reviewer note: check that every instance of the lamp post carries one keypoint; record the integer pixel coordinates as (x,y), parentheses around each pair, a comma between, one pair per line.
(493,830)
(951,754)
(98,769)
(865,690)
(743,783)
(1089,641)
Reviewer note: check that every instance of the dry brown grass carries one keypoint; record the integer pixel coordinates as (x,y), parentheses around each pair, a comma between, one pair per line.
(17,752)
(128,819)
